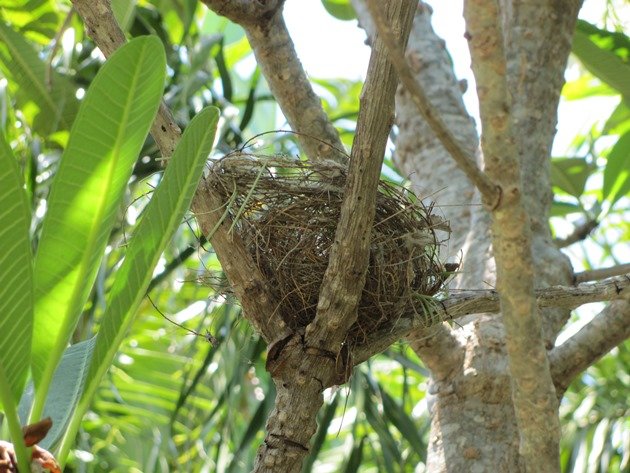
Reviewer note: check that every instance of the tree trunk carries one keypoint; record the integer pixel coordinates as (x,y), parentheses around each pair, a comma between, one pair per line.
(473,423)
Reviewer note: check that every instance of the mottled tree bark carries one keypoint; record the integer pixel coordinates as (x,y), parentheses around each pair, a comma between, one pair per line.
(473,422)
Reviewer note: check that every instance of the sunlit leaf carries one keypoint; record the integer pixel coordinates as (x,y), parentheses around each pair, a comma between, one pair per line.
(602,62)
(159,221)
(95,167)
(16,275)
(617,171)
(50,105)
(340,9)
(37,19)
(571,174)
(619,120)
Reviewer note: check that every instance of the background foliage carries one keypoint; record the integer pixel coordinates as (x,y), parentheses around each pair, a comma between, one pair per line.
(172,401)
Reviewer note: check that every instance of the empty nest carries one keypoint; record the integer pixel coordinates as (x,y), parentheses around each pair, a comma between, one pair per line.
(287,210)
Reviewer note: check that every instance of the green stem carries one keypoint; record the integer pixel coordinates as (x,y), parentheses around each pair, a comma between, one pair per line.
(13,421)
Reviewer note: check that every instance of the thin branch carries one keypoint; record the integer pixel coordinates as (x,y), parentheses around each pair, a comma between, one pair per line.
(597,274)
(462,303)
(249,284)
(465,160)
(176,262)
(345,275)
(607,330)
(275,55)
(581,232)
(533,392)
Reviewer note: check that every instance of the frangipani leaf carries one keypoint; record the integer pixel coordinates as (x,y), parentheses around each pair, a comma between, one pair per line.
(104,143)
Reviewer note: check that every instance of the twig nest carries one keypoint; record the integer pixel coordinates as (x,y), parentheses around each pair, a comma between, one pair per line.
(287,210)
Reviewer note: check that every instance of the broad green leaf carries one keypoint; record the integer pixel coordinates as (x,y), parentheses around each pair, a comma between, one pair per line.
(49,106)
(340,9)
(16,275)
(104,143)
(617,171)
(160,219)
(602,62)
(65,390)
(571,174)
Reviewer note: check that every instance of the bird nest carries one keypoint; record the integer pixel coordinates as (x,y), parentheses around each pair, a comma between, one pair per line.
(286,211)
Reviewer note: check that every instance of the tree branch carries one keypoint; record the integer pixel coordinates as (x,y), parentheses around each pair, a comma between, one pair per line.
(607,330)
(345,275)
(249,284)
(533,392)
(462,303)
(601,273)
(465,160)
(579,233)
(269,38)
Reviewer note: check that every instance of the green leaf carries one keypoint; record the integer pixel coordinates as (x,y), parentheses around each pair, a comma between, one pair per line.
(10,416)
(104,143)
(571,174)
(48,106)
(124,12)
(16,275)
(602,62)
(356,457)
(619,120)
(562,209)
(36,19)
(586,86)
(65,390)
(396,415)
(340,9)
(155,229)
(617,171)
